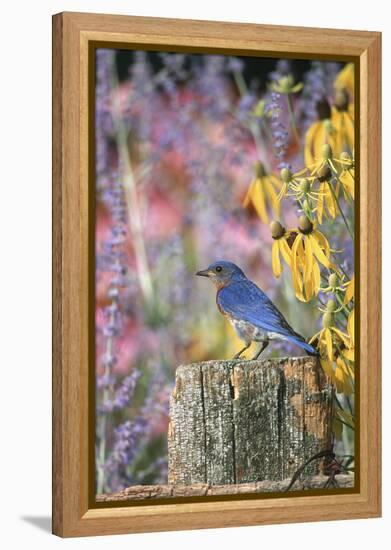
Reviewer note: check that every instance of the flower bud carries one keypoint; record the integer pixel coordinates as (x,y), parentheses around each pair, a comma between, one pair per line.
(305,225)
(276,229)
(286,175)
(327,320)
(333,280)
(325,173)
(331,307)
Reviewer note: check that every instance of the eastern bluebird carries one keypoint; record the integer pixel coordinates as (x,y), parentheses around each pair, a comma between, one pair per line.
(252,314)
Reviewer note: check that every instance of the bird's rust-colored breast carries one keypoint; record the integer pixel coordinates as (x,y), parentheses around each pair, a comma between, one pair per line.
(222,311)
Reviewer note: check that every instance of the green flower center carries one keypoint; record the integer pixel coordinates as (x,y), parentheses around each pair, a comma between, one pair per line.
(305,225)
(277,230)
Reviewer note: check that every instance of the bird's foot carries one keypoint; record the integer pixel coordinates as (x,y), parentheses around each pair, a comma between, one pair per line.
(237,356)
(259,352)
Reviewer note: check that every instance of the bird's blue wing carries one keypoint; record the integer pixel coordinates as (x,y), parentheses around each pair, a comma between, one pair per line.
(244,300)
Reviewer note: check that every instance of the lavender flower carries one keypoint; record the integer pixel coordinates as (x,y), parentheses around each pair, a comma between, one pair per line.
(235,64)
(128,437)
(103,118)
(210,82)
(279,132)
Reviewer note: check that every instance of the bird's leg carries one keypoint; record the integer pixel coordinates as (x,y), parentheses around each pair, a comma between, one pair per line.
(241,351)
(265,343)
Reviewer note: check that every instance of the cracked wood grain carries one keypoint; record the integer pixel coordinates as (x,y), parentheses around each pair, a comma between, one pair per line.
(155,492)
(247,421)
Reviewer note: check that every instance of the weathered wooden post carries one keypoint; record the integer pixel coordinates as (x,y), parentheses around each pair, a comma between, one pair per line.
(243,421)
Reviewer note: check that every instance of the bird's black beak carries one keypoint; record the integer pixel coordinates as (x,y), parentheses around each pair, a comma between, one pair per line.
(204,273)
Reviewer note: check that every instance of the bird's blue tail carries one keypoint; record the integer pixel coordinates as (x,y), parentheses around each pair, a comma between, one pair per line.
(304,345)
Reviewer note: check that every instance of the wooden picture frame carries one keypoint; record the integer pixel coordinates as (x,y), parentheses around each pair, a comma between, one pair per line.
(73,34)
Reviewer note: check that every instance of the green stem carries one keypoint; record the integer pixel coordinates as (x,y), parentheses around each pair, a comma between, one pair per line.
(266,128)
(343,422)
(240,83)
(101,454)
(339,266)
(253,126)
(132,199)
(344,307)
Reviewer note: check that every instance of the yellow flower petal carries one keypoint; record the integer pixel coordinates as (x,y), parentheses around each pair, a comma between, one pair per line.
(347,180)
(320,203)
(285,250)
(327,366)
(247,198)
(258,200)
(329,343)
(343,380)
(318,252)
(308,270)
(270,191)
(330,201)
(349,354)
(345,79)
(344,337)
(316,275)
(276,264)
(349,294)
(309,156)
(296,276)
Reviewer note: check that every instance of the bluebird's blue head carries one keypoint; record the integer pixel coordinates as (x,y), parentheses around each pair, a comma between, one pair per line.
(222,273)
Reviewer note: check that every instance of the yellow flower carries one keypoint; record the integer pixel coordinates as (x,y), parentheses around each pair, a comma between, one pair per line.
(346,177)
(280,247)
(324,169)
(340,373)
(319,133)
(289,180)
(345,80)
(330,337)
(263,193)
(326,195)
(331,340)
(324,160)
(302,189)
(310,248)
(342,118)
(343,377)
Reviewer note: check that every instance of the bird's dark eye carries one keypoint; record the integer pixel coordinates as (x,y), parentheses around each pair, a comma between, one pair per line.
(219,268)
